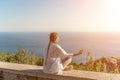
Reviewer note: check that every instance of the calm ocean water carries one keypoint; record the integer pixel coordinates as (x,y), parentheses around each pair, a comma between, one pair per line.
(99,44)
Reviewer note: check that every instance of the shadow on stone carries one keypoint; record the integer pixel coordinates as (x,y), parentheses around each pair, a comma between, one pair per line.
(53,76)
(33,70)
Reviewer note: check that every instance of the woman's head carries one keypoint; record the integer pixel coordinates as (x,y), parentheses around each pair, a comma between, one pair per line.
(54,37)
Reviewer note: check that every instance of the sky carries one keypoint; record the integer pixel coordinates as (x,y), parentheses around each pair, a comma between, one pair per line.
(60,15)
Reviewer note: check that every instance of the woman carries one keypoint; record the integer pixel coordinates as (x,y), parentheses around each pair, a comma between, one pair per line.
(56,59)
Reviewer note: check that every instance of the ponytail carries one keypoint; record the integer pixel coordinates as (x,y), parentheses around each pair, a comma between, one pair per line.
(47,52)
(53,37)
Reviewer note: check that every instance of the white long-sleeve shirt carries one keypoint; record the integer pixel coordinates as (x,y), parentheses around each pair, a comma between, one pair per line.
(53,64)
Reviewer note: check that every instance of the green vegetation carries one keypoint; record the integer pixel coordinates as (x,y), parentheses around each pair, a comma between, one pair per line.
(104,64)
(21,57)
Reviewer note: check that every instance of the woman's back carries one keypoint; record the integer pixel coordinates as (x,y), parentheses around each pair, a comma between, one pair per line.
(53,51)
(53,60)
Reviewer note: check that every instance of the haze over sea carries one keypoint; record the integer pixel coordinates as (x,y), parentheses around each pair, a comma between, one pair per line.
(99,44)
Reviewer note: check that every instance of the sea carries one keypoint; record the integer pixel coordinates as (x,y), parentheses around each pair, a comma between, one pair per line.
(99,44)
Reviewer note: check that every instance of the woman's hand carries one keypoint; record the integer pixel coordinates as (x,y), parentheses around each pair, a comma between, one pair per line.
(81,51)
(76,54)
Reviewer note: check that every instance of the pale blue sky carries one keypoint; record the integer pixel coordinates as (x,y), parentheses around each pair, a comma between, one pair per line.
(59,15)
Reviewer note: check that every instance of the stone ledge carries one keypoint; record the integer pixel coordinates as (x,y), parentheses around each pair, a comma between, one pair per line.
(13,71)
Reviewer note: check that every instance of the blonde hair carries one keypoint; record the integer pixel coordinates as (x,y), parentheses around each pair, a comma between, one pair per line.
(53,37)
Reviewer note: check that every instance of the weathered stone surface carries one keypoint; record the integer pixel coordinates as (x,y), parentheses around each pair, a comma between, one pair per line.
(12,71)
(9,76)
(21,77)
(1,75)
(1,79)
(32,78)
(45,79)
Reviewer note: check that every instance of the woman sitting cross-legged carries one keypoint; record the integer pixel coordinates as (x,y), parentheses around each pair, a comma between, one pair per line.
(56,59)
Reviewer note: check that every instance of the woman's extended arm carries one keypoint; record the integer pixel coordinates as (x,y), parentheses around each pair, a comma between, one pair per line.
(76,54)
(63,52)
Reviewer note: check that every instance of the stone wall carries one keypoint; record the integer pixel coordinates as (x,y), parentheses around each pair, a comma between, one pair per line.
(10,75)
(13,71)
(23,75)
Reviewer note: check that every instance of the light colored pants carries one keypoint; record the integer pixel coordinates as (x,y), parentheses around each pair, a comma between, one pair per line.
(66,62)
